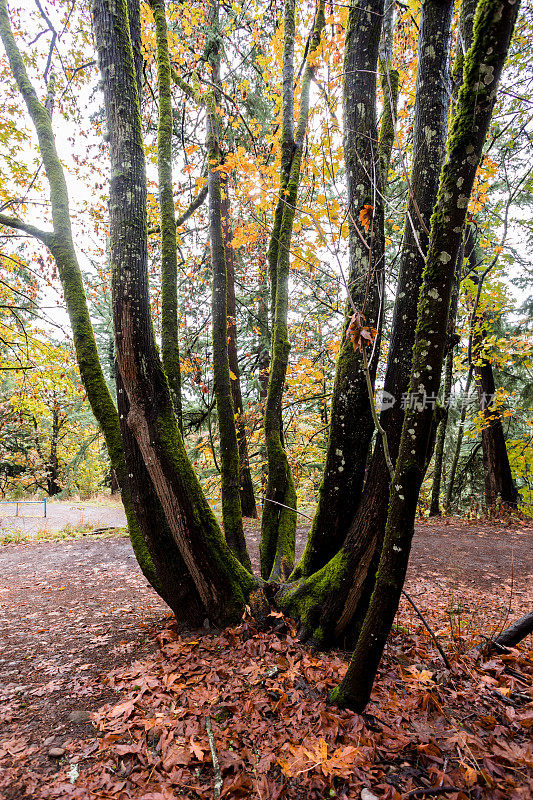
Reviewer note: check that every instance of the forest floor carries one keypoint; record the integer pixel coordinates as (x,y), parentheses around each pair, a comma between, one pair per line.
(102,697)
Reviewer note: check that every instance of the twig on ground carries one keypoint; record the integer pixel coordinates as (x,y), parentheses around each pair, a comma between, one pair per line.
(432,792)
(102,530)
(437,645)
(216,766)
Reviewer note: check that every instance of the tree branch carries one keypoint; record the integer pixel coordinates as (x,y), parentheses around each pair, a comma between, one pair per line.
(46,237)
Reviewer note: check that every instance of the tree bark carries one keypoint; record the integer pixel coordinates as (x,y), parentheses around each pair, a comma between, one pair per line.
(352,570)
(179,590)
(52,471)
(61,245)
(514,634)
(246,486)
(464,41)
(229,449)
(434,509)
(458,443)
(390,85)
(493,27)
(169,255)
(222,583)
(278,526)
(351,424)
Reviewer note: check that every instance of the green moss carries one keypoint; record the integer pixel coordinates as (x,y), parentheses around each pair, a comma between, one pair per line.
(169,260)
(229,447)
(278,529)
(304,599)
(390,83)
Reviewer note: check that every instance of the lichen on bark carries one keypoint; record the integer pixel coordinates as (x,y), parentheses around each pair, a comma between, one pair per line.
(351,424)
(493,27)
(222,583)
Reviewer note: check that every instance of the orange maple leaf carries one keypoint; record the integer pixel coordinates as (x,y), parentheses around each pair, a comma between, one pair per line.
(365,216)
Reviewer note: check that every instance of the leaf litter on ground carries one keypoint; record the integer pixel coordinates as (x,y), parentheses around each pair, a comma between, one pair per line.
(466,732)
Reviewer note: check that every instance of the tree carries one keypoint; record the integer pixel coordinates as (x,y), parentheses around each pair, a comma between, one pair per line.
(196,569)
(499,483)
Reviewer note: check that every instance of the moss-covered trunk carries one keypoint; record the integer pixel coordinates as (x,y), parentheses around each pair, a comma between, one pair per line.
(351,424)
(278,528)
(484,62)
(246,486)
(169,257)
(390,86)
(464,41)
(334,612)
(222,583)
(61,245)
(177,585)
(229,450)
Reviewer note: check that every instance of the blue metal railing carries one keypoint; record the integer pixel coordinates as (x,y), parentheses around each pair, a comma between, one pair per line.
(18,503)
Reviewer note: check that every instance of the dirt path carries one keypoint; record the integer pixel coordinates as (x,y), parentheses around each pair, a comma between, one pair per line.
(58,515)
(71,611)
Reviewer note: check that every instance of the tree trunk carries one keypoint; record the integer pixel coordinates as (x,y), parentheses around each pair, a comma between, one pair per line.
(178,588)
(390,85)
(452,339)
(458,443)
(493,28)
(169,257)
(351,572)
(229,449)
(499,483)
(52,471)
(246,486)
(470,249)
(278,528)
(514,634)
(222,583)
(263,362)
(464,41)
(61,245)
(434,509)
(351,425)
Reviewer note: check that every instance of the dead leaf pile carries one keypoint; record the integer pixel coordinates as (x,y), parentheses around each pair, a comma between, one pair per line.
(276,737)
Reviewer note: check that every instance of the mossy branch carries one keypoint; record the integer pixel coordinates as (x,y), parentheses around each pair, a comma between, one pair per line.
(47,237)
(191,92)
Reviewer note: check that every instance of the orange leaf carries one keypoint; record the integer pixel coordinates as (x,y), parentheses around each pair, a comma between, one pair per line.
(365,216)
